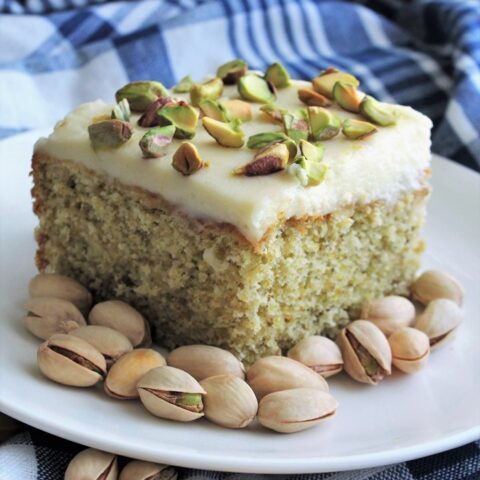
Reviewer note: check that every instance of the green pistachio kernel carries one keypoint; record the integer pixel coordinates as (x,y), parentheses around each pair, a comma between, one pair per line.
(357,129)
(121,111)
(184,85)
(313,98)
(141,94)
(183,116)
(226,134)
(273,112)
(153,143)
(213,109)
(347,96)
(323,123)
(237,109)
(325,82)
(296,128)
(316,171)
(254,88)
(109,134)
(231,71)
(295,170)
(271,159)
(313,152)
(378,112)
(292,148)
(277,75)
(186,159)
(261,140)
(210,89)
(189,401)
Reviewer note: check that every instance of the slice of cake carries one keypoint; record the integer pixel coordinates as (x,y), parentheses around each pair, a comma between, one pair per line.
(239,215)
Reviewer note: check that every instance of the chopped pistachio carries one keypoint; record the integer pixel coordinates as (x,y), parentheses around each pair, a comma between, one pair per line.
(231,71)
(324,83)
(313,98)
(273,112)
(210,89)
(186,159)
(254,88)
(226,134)
(141,94)
(378,112)
(184,85)
(313,152)
(295,170)
(183,116)
(292,149)
(121,111)
(357,129)
(323,123)
(109,134)
(213,109)
(153,143)
(237,109)
(316,171)
(261,140)
(150,117)
(295,128)
(347,96)
(277,75)
(270,159)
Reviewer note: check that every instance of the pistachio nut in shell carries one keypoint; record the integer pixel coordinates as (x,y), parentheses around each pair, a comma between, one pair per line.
(319,353)
(124,374)
(210,89)
(277,75)
(378,112)
(122,317)
(230,401)
(202,361)
(297,409)
(254,88)
(187,159)
(110,343)
(366,353)
(171,393)
(271,159)
(410,349)
(238,109)
(275,373)
(92,464)
(140,470)
(327,79)
(355,129)
(225,134)
(49,315)
(434,284)
(438,321)
(141,94)
(231,71)
(60,286)
(71,361)
(313,98)
(389,313)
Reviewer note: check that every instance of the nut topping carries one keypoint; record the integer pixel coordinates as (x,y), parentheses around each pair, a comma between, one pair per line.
(296,128)
(153,143)
(183,116)
(230,72)
(141,94)
(255,89)
(377,112)
(313,98)
(121,111)
(277,75)
(323,123)
(237,109)
(210,89)
(357,129)
(271,159)
(214,109)
(226,134)
(109,134)
(347,96)
(186,159)
(184,85)
(325,82)
(261,140)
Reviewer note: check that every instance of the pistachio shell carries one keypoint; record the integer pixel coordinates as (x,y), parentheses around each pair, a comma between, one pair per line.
(202,361)
(441,317)
(60,286)
(389,313)
(141,94)
(71,361)
(320,354)
(410,349)
(92,464)
(187,159)
(140,470)
(347,96)
(434,284)
(313,98)
(255,89)
(297,409)
(226,134)
(323,123)
(122,379)
(238,109)
(377,112)
(275,373)
(210,89)
(325,82)
(168,379)
(230,402)
(277,75)
(231,71)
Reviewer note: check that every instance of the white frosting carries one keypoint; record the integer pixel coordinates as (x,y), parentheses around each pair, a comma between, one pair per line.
(378,167)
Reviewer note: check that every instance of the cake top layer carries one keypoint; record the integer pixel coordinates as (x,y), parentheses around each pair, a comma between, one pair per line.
(338,172)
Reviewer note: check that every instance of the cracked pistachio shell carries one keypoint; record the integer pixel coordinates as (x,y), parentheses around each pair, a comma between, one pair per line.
(320,354)
(327,79)
(254,88)
(313,98)
(355,129)
(154,141)
(71,361)
(238,109)
(213,109)
(184,85)
(366,353)
(297,409)
(202,361)
(210,89)
(183,116)
(275,373)
(277,75)
(121,111)
(123,376)
(141,94)
(225,134)
(165,380)
(109,134)
(296,128)
(122,317)
(389,313)
(187,159)
(441,317)
(231,71)
(92,464)
(271,159)
(230,402)
(60,286)
(110,343)
(323,123)
(140,470)
(347,96)
(261,140)
(378,112)
(434,284)
(410,349)
(49,315)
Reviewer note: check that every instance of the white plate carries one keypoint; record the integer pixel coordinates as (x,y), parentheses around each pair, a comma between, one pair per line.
(403,418)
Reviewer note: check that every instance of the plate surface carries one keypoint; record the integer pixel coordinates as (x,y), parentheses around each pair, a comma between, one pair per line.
(403,418)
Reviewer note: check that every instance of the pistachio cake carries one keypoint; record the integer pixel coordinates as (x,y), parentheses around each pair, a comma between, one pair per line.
(247,211)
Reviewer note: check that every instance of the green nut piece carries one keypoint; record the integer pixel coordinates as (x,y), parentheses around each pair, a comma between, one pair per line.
(186,159)
(273,112)
(292,149)
(357,129)
(121,111)
(141,94)
(254,88)
(325,82)
(231,71)
(261,140)
(271,159)
(153,143)
(315,171)
(183,116)
(213,109)
(296,128)
(277,75)
(347,96)
(313,152)
(237,109)
(313,98)
(208,90)
(109,134)
(226,134)
(323,123)
(378,112)
(184,85)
